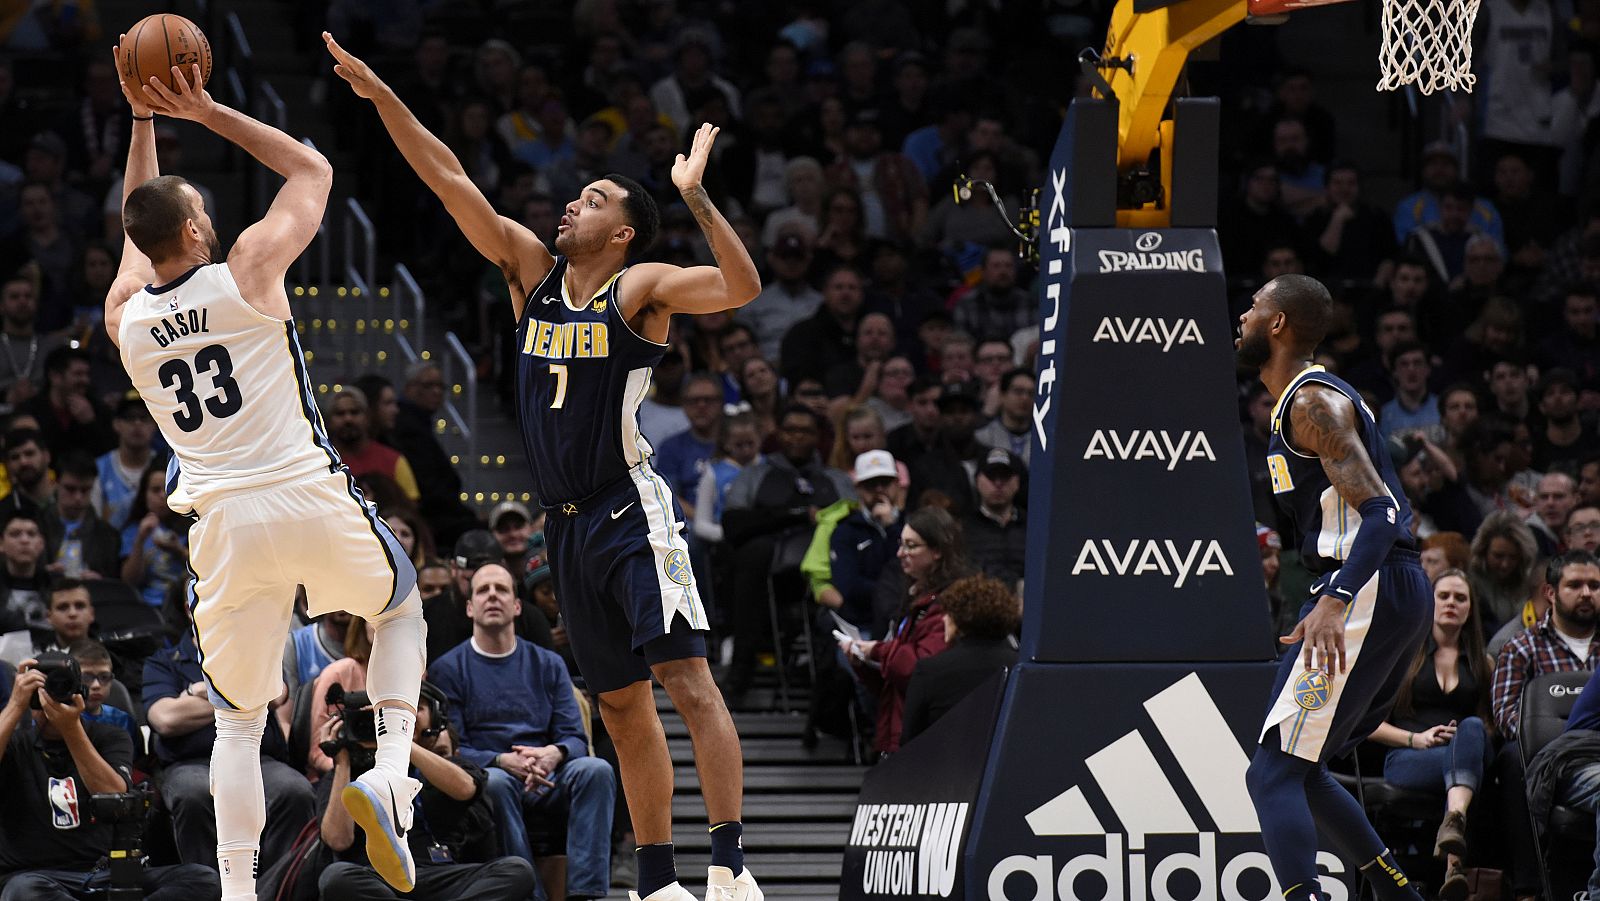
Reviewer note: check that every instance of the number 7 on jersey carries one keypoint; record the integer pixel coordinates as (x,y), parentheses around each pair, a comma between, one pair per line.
(559,370)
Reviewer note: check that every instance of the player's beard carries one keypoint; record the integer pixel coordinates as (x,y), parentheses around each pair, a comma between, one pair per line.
(570,243)
(213,246)
(1254,350)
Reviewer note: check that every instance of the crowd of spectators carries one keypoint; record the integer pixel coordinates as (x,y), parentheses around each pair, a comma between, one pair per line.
(854,443)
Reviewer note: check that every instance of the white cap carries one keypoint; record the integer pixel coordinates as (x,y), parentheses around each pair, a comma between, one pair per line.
(876,464)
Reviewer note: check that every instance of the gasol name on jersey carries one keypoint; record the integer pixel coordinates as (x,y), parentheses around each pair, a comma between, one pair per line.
(180,324)
(566,340)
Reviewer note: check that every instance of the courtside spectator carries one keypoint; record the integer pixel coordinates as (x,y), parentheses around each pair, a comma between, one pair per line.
(518,718)
(980,615)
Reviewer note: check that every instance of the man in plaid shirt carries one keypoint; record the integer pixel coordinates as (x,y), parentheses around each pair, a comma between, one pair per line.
(1563,641)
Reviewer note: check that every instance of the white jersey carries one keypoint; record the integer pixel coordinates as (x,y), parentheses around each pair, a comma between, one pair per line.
(226,385)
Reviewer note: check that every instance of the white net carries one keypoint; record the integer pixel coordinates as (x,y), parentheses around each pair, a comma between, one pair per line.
(1427,43)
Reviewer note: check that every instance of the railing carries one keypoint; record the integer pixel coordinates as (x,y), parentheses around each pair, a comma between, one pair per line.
(405,290)
(456,355)
(271,109)
(318,248)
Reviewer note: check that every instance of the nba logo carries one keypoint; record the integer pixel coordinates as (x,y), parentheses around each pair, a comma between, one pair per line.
(64,803)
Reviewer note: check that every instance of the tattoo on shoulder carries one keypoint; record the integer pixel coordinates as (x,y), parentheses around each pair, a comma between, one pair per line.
(1322,422)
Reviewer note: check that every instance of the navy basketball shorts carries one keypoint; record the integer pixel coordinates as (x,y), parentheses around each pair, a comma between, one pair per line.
(1321,715)
(621,570)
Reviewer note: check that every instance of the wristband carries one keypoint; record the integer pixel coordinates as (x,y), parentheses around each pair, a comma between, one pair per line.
(1376,534)
(143,118)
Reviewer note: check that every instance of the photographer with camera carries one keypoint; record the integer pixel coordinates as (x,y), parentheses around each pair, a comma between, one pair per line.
(452,825)
(57,831)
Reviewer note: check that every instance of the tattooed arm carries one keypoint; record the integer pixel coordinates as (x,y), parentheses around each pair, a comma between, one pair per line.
(1323,422)
(659,290)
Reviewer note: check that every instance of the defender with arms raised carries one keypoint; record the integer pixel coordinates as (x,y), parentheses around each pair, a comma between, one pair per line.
(1369,607)
(211,347)
(589,330)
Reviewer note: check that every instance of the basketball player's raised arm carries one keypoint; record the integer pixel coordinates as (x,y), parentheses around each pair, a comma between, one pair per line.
(135,271)
(734,281)
(518,252)
(264,251)
(1322,421)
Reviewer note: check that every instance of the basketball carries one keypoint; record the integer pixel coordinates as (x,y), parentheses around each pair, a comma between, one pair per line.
(157,43)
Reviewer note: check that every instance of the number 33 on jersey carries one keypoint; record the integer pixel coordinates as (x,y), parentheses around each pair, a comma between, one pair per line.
(218,376)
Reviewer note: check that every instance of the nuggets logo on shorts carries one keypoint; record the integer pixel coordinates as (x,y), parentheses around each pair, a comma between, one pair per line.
(1311,690)
(677,569)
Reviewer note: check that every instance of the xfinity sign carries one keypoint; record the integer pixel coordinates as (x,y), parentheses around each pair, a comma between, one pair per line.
(1057,245)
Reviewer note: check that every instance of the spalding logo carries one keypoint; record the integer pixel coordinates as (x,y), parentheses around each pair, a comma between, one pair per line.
(1148,241)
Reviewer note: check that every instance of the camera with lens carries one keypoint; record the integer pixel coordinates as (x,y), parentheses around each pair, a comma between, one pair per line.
(360,728)
(62,678)
(125,813)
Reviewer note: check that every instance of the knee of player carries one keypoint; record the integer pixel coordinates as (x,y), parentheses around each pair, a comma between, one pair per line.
(1265,773)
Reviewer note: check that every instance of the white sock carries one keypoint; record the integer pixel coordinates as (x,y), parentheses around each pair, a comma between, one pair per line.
(395,726)
(238,869)
(240,798)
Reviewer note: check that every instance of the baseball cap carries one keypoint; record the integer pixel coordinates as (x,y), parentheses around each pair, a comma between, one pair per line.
(963,392)
(478,547)
(866,115)
(50,143)
(1000,460)
(1267,537)
(1439,148)
(876,464)
(509,508)
(790,246)
(538,566)
(131,406)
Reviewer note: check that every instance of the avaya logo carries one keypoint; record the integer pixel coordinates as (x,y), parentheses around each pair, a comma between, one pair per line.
(1143,330)
(1149,444)
(1142,795)
(1148,555)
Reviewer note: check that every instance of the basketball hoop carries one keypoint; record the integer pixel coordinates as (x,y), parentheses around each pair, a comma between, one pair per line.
(1427,43)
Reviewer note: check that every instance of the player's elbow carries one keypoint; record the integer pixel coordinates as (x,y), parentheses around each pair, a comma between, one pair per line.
(315,167)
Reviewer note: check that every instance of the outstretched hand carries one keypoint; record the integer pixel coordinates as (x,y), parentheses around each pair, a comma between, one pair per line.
(360,76)
(687,171)
(135,101)
(187,102)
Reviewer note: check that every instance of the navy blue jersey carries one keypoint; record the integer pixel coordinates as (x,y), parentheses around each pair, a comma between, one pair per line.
(581,375)
(1327,524)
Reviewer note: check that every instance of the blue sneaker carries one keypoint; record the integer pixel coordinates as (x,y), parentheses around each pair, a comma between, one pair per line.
(380,803)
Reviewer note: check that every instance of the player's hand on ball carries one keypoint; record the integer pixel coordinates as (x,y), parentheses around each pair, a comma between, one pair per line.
(1323,633)
(362,79)
(687,171)
(135,101)
(187,102)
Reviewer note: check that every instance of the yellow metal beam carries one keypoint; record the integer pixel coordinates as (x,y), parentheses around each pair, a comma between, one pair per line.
(1159,43)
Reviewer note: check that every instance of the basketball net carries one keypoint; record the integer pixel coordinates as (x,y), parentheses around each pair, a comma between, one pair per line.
(1427,43)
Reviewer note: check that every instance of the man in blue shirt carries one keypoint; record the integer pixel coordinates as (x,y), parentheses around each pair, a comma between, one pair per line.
(682,458)
(518,719)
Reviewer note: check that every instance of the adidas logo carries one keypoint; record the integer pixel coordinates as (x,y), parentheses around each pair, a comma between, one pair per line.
(1144,796)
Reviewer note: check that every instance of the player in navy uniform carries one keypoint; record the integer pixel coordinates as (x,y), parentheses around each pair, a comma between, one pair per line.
(589,330)
(1369,608)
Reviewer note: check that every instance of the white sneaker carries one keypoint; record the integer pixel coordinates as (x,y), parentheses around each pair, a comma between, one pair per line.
(670,892)
(722,885)
(380,803)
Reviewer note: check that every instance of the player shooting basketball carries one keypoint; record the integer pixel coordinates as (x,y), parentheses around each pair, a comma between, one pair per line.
(590,328)
(211,346)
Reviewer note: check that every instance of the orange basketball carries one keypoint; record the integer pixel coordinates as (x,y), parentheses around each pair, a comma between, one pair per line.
(157,43)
